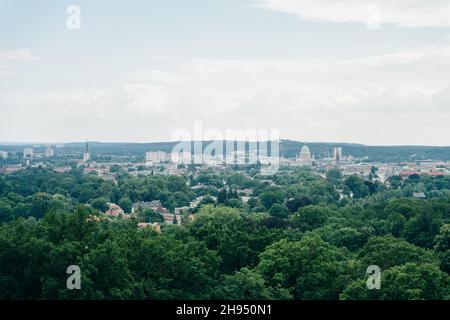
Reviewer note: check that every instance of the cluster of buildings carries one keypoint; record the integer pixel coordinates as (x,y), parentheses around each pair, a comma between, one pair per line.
(164,163)
(307,159)
(236,157)
(186,157)
(156,157)
(365,170)
(30,154)
(39,152)
(168,217)
(138,208)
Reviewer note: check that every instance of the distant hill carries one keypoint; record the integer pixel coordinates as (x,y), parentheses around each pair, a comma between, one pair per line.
(288,148)
(374,153)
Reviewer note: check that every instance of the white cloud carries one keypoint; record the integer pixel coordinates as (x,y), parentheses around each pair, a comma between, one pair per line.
(219,101)
(441,100)
(144,99)
(403,13)
(50,102)
(314,99)
(19,54)
(8,59)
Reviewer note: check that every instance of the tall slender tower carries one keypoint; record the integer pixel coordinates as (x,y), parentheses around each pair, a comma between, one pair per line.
(86,154)
(337,154)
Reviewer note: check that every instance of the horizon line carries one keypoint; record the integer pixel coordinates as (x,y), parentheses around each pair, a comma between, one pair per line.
(18,143)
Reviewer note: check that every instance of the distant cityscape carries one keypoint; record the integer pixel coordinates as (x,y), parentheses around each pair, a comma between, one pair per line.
(160,162)
(156,162)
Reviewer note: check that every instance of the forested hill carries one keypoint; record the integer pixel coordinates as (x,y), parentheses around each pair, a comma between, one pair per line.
(374,153)
(288,148)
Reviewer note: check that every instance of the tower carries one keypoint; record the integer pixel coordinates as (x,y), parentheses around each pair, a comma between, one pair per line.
(337,154)
(86,154)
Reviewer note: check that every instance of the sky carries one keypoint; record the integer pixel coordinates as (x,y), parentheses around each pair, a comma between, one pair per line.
(375,72)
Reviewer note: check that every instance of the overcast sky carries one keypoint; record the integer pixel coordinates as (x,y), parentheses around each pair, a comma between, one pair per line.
(365,71)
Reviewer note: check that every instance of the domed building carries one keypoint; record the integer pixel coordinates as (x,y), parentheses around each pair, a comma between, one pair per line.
(304,157)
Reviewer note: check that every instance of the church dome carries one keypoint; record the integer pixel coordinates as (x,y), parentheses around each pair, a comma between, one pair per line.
(305,156)
(305,150)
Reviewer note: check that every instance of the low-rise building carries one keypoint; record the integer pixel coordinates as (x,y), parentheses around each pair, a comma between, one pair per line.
(419,195)
(154,205)
(171,218)
(11,169)
(181,210)
(62,169)
(194,203)
(155,226)
(114,210)
(143,205)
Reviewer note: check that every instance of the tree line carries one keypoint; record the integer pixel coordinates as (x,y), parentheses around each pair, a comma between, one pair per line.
(299,236)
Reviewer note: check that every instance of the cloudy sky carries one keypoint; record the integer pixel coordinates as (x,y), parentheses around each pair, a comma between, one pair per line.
(366,71)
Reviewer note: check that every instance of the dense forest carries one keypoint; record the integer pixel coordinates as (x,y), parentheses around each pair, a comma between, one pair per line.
(299,236)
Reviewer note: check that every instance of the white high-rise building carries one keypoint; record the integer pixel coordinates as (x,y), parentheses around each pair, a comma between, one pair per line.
(304,158)
(28,153)
(4,154)
(49,152)
(184,157)
(156,157)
